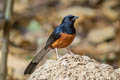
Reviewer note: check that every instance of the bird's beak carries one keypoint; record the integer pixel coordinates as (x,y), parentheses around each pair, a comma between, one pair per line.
(75,17)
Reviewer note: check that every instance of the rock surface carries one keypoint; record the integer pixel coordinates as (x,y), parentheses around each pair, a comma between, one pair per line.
(75,67)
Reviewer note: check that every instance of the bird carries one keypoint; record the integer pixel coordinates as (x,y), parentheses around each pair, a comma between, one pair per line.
(61,37)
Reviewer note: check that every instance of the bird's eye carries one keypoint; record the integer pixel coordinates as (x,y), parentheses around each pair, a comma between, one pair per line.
(70,18)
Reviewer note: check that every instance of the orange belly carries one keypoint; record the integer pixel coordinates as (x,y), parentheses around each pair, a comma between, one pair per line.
(64,41)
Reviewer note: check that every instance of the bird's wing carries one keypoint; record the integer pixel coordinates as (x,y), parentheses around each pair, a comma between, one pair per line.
(53,37)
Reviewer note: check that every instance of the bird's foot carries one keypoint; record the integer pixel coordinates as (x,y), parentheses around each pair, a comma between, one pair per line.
(57,55)
(69,51)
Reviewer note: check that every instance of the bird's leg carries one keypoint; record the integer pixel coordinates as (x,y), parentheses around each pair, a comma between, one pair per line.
(57,53)
(69,51)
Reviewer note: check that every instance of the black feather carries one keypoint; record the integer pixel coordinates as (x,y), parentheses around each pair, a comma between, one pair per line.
(40,54)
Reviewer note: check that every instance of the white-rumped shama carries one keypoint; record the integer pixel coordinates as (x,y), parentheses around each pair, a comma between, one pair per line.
(61,37)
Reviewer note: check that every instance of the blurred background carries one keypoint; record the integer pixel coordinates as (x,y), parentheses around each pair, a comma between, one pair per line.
(98,31)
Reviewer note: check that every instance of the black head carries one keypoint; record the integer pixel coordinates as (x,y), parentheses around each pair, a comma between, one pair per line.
(70,19)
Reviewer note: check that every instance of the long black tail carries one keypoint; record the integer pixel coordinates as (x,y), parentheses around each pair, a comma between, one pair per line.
(40,54)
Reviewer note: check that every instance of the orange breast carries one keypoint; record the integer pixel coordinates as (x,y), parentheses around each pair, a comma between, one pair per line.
(64,41)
